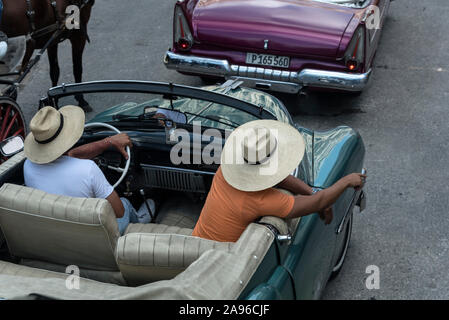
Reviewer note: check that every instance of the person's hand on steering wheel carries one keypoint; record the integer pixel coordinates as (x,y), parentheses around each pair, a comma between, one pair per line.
(120,142)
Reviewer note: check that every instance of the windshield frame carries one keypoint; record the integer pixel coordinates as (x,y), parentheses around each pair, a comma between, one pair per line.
(151,87)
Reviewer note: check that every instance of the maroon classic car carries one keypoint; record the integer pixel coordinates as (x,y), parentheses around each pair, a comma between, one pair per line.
(279,45)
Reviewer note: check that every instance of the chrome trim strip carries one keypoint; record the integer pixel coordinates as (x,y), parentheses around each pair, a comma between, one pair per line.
(183,170)
(350,208)
(308,77)
(356,198)
(279,86)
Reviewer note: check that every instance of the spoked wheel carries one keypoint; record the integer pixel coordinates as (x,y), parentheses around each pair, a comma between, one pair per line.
(12,121)
(344,249)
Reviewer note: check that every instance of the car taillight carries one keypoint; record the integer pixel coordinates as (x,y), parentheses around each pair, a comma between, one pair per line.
(355,53)
(182,36)
(352,65)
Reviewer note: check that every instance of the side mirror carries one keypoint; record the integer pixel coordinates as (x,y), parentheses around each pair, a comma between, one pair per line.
(11,146)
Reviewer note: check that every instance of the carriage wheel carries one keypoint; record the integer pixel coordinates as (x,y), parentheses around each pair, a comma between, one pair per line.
(12,121)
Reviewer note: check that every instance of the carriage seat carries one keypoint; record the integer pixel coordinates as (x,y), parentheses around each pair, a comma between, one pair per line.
(59,230)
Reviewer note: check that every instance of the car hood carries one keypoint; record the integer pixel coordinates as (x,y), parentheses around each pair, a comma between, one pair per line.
(295,27)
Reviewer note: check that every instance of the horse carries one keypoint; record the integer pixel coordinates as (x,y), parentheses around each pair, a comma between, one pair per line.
(39,20)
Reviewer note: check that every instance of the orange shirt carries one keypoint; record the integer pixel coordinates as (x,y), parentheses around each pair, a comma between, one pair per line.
(228,211)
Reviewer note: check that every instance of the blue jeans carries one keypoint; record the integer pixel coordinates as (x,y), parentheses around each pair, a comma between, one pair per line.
(129,216)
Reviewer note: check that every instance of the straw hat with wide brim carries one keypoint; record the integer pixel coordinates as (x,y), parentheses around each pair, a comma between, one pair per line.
(53,132)
(260,154)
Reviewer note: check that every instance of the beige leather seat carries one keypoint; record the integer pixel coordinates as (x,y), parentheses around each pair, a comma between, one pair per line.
(157,228)
(16,161)
(215,275)
(59,230)
(51,232)
(8,169)
(152,252)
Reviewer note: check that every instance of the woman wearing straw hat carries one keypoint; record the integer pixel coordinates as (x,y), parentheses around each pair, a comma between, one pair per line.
(257,157)
(52,167)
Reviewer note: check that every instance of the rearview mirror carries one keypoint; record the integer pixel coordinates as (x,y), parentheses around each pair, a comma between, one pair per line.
(11,146)
(168,114)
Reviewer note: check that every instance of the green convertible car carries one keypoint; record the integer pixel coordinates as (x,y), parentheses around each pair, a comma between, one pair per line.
(61,247)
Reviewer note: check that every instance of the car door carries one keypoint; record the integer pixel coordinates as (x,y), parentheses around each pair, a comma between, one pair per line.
(311,254)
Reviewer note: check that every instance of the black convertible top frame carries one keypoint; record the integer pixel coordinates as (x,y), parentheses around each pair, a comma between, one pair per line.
(166,89)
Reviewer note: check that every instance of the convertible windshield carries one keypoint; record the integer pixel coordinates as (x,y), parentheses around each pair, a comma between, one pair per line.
(117,106)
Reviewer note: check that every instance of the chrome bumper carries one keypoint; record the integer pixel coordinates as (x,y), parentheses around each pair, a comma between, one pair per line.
(263,78)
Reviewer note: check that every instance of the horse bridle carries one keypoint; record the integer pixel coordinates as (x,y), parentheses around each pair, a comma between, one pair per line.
(59,23)
(41,32)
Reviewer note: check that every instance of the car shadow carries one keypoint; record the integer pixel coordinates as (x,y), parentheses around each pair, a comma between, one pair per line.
(314,103)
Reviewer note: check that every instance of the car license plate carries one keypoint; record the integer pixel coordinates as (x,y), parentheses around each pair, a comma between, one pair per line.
(267,60)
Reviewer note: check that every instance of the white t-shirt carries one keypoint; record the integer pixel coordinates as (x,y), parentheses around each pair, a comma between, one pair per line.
(68,176)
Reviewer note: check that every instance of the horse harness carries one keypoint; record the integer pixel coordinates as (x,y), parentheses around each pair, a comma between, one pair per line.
(59,24)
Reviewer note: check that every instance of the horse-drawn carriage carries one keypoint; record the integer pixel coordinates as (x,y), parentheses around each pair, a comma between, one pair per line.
(12,121)
(12,74)
(35,25)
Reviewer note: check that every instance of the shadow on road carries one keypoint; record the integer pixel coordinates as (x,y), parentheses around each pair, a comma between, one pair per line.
(316,103)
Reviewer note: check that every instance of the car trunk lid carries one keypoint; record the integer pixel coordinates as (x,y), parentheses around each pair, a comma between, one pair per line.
(297,28)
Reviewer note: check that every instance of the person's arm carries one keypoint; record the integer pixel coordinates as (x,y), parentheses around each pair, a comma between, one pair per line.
(101,188)
(321,201)
(295,186)
(93,149)
(116,204)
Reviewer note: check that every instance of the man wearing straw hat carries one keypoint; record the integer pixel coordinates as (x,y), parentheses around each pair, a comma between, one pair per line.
(257,157)
(53,167)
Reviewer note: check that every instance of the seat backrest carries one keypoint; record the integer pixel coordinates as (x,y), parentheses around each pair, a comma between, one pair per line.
(12,169)
(58,229)
(160,255)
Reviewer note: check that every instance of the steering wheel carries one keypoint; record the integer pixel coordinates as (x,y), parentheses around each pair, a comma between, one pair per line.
(124,171)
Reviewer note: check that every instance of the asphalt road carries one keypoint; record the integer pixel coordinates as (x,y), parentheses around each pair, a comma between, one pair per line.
(402,118)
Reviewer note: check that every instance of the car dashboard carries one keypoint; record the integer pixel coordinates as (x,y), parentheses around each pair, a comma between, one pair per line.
(151,165)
